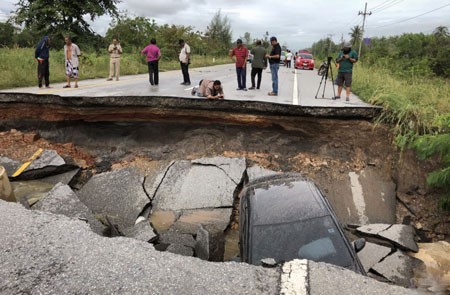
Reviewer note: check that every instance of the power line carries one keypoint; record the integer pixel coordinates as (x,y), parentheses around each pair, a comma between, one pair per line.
(386,6)
(381,4)
(407,19)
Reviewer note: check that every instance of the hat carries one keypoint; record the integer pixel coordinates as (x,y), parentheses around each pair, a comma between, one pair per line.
(238,41)
(273,38)
(348,45)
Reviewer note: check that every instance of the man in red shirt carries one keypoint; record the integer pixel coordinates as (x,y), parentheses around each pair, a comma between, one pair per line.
(240,52)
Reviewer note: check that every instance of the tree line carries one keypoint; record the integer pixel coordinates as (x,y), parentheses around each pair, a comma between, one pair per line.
(405,55)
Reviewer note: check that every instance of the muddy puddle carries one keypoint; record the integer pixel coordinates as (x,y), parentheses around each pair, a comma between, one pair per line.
(435,278)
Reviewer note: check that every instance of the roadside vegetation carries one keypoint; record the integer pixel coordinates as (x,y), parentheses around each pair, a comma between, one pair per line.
(409,76)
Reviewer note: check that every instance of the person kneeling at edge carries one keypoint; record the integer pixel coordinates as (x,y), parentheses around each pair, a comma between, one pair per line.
(209,89)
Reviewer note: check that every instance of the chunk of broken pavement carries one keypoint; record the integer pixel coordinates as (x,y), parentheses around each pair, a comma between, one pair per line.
(118,194)
(180,250)
(210,243)
(48,163)
(202,183)
(403,236)
(62,200)
(371,254)
(10,165)
(398,268)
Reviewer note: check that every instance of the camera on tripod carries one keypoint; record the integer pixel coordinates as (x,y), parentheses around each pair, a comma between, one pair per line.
(323,71)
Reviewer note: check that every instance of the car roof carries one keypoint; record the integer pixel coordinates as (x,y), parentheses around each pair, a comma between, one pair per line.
(284,198)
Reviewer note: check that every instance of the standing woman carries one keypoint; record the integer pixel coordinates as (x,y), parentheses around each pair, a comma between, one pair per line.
(153,54)
(42,55)
(71,54)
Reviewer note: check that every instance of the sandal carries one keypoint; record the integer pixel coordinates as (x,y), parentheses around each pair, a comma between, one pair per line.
(67,86)
(272,94)
(76,86)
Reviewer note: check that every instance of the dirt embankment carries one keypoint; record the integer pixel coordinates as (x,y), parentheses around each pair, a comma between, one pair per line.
(326,150)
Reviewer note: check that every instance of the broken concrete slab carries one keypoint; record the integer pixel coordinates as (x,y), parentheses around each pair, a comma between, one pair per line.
(398,268)
(64,178)
(142,231)
(203,183)
(403,236)
(62,200)
(161,221)
(371,254)
(173,237)
(118,194)
(47,164)
(10,165)
(210,242)
(180,250)
(257,171)
(190,220)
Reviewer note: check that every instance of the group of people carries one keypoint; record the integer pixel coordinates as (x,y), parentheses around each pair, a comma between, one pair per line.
(211,89)
(239,55)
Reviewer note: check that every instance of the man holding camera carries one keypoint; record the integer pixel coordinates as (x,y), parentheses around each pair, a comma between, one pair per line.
(346,58)
(115,51)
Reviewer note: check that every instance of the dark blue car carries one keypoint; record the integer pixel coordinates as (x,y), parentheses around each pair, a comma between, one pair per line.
(286,216)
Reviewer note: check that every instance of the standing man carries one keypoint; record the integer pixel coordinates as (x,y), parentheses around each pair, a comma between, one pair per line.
(259,63)
(288,58)
(346,58)
(71,54)
(274,61)
(153,54)
(184,58)
(42,55)
(240,52)
(115,51)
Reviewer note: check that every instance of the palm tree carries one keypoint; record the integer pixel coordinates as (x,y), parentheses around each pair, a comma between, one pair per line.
(441,32)
(356,34)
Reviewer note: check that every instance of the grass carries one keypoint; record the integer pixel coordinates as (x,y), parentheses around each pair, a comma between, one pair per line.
(18,68)
(412,104)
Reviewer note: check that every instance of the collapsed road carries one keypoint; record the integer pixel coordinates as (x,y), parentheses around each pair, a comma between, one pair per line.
(353,162)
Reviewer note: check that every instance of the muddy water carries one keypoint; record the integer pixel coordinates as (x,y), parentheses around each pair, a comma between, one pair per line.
(436,277)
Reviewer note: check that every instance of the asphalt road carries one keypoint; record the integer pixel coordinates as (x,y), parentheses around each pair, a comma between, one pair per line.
(296,87)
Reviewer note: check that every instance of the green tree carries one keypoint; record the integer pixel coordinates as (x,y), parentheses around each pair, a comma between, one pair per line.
(53,17)
(441,32)
(356,34)
(218,34)
(133,33)
(7,31)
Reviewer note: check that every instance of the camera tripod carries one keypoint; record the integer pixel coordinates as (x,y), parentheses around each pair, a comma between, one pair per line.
(328,69)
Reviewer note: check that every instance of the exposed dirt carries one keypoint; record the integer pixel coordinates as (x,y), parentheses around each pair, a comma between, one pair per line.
(323,149)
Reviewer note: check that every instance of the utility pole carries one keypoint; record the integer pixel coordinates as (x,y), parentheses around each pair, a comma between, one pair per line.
(364,21)
(329,36)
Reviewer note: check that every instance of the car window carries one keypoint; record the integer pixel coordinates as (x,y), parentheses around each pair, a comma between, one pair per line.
(316,239)
(308,56)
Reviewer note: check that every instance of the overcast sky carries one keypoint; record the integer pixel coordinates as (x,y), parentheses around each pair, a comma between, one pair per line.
(296,23)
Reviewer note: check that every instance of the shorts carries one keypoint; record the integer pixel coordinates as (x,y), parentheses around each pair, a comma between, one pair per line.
(344,77)
(71,71)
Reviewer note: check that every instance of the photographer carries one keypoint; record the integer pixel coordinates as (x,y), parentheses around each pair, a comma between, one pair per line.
(346,58)
(115,51)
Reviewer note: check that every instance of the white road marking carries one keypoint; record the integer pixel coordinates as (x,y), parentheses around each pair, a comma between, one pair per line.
(295,90)
(294,278)
(358,197)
